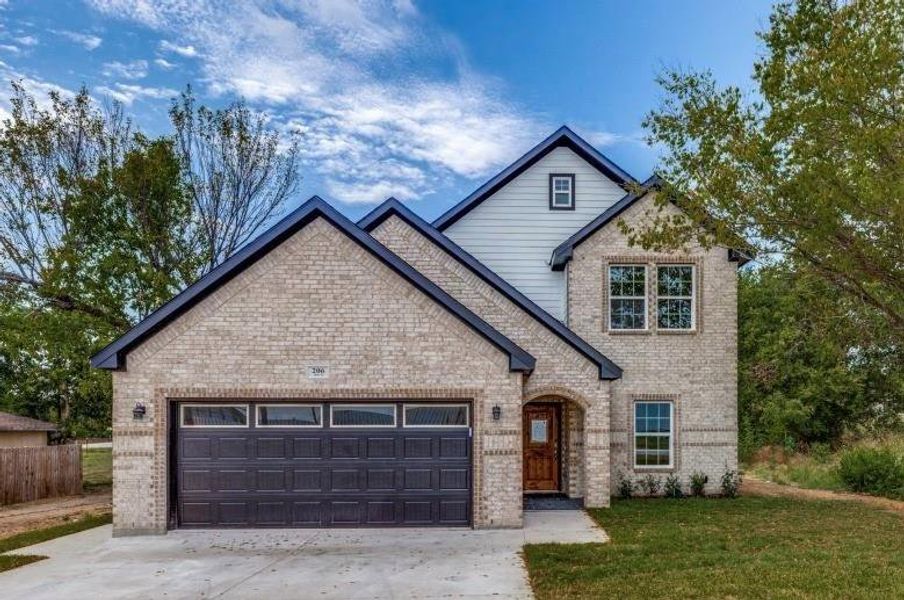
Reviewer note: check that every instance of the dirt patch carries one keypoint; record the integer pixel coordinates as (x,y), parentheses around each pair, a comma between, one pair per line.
(27,516)
(751,486)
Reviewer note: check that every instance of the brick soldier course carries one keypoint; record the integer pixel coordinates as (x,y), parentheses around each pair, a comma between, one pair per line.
(395,311)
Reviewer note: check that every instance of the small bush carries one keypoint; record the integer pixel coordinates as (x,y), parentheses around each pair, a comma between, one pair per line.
(876,471)
(821,452)
(731,484)
(672,487)
(698,483)
(625,488)
(650,485)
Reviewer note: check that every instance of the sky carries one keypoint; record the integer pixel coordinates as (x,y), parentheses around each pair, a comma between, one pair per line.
(423,100)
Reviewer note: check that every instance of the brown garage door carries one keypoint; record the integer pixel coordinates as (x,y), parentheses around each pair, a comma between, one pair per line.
(322,464)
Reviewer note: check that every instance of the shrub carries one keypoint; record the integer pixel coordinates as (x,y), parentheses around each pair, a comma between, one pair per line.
(625,487)
(731,484)
(672,487)
(821,452)
(876,471)
(650,485)
(698,483)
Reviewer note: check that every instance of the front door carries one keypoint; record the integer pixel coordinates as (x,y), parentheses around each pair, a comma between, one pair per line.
(541,447)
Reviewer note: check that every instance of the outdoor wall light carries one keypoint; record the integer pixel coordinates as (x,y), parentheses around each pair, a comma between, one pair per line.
(497,413)
(138,411)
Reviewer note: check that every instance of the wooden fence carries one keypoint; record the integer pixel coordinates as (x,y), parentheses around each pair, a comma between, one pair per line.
(39,472)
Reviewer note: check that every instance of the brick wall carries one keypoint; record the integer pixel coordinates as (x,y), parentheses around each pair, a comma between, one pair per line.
(561,372)
(320,299)
(697,371)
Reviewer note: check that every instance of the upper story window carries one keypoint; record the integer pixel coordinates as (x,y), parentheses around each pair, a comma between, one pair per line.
(628,297)
(675,297)
(561,191)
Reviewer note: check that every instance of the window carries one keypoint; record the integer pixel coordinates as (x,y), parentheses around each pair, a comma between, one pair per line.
(288,415)
(675,297)
(436,415)
(628,297)
(539,431)
(363,415)
(214,415)
(653,434)
(561,191)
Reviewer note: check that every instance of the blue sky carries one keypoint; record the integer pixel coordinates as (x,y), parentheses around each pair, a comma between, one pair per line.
(421,99)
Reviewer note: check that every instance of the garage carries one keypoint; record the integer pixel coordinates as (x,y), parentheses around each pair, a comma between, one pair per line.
(321,464)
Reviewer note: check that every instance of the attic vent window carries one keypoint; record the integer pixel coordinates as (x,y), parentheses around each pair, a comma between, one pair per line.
(561,191)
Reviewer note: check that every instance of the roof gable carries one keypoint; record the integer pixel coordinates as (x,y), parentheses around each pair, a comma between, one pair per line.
(562,137)
(11,422)
(113,356)
(392,207)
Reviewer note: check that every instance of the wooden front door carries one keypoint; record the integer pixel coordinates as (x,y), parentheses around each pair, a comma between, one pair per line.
(541,447)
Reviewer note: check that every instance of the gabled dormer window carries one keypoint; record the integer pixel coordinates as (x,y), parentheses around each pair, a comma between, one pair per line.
(561,191)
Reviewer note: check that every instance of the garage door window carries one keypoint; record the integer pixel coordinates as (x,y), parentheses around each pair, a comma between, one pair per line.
(214,415)
(289,415)
(436,415)
(363,415)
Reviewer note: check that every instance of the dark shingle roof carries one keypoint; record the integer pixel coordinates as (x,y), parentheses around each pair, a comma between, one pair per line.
(11,422)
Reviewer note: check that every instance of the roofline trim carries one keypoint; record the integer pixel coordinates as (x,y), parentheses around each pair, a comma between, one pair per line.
(113,356)
(392,207)
(563,136)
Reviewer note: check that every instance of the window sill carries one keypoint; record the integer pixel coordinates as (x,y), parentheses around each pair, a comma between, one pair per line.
(677,331)
(630,332)
(653,470)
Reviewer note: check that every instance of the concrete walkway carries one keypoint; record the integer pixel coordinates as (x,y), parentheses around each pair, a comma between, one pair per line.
(296,563)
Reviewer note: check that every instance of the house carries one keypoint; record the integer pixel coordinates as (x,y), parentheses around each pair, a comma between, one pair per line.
(395,372)
(21,432)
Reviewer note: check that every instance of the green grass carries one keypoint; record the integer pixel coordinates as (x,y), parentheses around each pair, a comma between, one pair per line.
(97,469)
(713,548)
(28,538)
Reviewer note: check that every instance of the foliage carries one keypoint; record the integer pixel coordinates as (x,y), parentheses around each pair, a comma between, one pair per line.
(625,487)
(809,165)
(730,483)
(698,483)
(672,488)
(877,471)
(745,548)
(650,484)
(99,225)
(802,379)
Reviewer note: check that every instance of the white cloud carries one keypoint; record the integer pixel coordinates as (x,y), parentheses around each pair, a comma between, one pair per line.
(27,40)
(136,69)
(128,93)
(87,40)
(9,48)
(339,71)
(36,87)
(188,51)
(164,64)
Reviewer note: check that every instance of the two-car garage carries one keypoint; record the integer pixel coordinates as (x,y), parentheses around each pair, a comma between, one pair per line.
(321,464)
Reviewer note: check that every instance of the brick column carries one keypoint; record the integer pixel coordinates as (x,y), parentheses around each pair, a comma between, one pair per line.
(596,450)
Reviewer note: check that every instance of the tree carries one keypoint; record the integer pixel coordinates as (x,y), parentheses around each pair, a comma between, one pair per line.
(811,168)
(238,172)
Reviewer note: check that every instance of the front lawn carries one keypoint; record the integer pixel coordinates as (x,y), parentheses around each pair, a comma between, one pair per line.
(97,469)
(743,548)
(11,561)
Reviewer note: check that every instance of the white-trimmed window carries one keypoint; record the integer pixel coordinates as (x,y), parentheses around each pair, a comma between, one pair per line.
(561,191)
(289,415)
(435,415)
(628,297)
(653,434)
(675,297)
(363,415)
(213,415)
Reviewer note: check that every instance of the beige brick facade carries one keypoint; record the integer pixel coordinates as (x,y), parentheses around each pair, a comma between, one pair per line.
(697,371)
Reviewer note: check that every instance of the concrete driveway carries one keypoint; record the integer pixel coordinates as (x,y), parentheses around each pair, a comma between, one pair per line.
(297,563)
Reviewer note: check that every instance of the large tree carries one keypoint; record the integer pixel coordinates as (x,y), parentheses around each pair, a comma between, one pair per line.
(809,165)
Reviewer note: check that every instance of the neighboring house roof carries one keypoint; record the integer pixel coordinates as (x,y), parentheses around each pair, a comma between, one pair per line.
(607,368)
(562,137)
(11,422)
(563,252)
(113,356)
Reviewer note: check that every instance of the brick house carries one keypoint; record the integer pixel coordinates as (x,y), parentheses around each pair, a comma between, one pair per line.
(395,372)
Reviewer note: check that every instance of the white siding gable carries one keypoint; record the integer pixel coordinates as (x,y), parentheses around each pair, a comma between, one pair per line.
(513,232)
